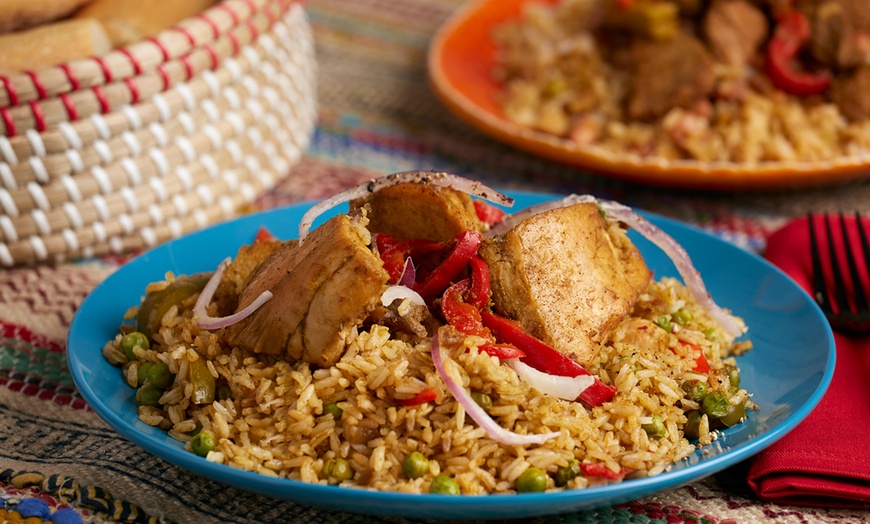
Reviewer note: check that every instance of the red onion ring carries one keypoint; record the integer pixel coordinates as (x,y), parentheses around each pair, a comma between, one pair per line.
(401,292)
(436,178)
(200,314)
(495,432)
(409,274)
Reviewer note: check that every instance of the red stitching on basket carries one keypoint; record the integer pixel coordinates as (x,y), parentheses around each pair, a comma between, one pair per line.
(215,59)
(107,73)
(215,30)
(137,68)
(10,90)
(163,76)
(253,29)
(73,79)
(8,121)
(70,106)
(230,11)
(160,46)
(235,43)
(134,89)
(251,6)
(105,107)
(37,83)
(38,115)
(188,69)
(187,33)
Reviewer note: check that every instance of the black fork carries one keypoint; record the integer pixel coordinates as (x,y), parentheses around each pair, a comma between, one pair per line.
(842,312)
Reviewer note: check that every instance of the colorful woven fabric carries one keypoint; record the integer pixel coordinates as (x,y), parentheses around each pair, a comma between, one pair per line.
(60,463)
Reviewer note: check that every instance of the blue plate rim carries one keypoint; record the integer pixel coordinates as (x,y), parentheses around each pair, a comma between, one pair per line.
(403,504)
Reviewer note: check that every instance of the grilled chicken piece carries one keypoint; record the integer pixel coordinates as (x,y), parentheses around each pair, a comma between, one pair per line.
(247,259)
(735,30)
(417,210)
(567,276)
(322,289)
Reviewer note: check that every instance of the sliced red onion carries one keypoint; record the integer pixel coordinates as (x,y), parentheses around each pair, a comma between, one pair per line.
(200,314)
(566,388)
(401,292)
(436,178)
(477,413)
(409,274)
(672,248)
(509,221)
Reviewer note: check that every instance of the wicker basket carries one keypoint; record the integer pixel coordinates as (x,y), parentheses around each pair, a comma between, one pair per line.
(124,151)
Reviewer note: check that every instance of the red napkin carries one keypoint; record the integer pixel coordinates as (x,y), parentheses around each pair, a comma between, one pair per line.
(825,461)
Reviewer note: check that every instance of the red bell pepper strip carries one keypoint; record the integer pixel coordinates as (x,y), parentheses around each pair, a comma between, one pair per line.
(487,213)
(264,235)
(792,31)
(544,358)
(502,351)
(697,354)
(599,469)
(424,396)
(478,295)
(394,252)
(437,281)
(461,315)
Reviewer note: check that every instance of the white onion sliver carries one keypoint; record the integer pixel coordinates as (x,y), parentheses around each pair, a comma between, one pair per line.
(566,388)
(477,413)
(421,177)
(200,314)
(681,260)
(401,292)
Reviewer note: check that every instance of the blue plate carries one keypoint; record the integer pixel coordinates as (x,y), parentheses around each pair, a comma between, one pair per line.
(785,326)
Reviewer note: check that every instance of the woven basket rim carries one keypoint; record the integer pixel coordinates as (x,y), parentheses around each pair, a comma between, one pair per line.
(38,99)
(240,151)
(159,107)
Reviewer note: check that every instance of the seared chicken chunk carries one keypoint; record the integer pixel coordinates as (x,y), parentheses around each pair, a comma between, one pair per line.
(322,289)
(417,210)
(567,276)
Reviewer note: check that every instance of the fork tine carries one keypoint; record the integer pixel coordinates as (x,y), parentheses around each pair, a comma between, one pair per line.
(841,298)
(820,289)
(865,245)
(860,296)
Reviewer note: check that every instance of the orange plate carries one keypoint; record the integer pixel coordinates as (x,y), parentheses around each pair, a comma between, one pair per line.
(461,61)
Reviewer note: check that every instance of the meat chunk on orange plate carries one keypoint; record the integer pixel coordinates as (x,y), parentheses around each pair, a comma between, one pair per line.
(568,276)
(322,288)
(417,210)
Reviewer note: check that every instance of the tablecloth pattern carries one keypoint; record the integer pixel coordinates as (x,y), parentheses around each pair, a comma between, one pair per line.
(60,463)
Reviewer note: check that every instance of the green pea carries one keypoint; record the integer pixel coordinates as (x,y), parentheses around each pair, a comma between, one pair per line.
(159,376)
(664,322)
(143,371)
(337,469)
(692,429)
(734,377)
(415,465)
(148,395)
(734,415)
(202,443)
(482,399)
(712,334)
(532,480)
(444,485)
(133,339)
(565,474)
(655,429)
(223,392)
(682,316)
(333,409)
(695,390)
(715,405)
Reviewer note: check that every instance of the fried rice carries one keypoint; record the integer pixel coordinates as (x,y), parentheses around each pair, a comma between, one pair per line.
(278,418)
